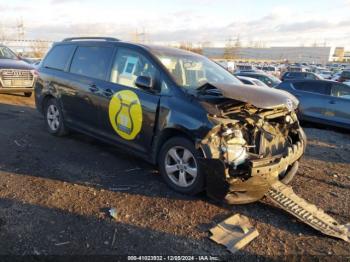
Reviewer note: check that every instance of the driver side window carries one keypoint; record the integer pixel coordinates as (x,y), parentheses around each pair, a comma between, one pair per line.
(128,65)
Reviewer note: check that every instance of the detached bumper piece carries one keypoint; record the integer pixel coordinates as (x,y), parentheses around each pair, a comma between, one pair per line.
(284,197)
(234,233)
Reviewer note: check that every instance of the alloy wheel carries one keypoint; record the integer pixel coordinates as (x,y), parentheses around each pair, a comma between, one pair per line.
(53,117)
(181,166)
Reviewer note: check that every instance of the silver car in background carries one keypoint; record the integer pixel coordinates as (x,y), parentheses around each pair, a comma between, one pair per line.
(251,81)
(321,101)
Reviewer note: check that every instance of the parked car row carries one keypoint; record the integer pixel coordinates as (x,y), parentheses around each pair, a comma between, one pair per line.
(320,100)
(267,79)
(300,75)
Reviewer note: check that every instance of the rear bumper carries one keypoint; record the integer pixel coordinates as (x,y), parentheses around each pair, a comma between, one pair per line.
(261,172)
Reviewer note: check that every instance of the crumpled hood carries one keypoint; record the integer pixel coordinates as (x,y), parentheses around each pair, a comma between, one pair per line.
(261,97)
(14,64)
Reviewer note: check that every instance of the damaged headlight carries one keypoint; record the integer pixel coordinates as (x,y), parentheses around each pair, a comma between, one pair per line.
(234,149)
(226,141)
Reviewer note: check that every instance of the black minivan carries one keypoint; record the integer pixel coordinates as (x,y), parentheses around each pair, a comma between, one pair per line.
(196,121)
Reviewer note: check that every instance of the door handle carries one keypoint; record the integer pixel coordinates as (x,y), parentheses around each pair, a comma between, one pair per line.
(93,88)
(332,102)
(108,92)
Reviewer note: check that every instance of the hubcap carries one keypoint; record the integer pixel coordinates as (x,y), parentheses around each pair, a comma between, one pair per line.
(53,117)
(181,166)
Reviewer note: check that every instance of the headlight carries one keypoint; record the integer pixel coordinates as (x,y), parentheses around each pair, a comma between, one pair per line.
(235,148)
(289,119)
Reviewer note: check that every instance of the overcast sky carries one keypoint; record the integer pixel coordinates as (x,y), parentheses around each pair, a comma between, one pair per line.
(274,22)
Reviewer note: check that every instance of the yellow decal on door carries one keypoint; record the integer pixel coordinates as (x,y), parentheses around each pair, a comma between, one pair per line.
(329,113)
(125,114)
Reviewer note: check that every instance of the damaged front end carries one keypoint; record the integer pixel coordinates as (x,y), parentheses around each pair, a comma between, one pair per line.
(248,150)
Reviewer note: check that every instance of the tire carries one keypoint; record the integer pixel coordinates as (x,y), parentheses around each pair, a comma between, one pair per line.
(182,175)
(54,118)
(28,94)
(290,173)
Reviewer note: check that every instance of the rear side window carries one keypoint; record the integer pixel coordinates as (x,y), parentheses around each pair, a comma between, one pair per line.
(258,83)
(245,81)
(313,87)
(339,90)
(345,74)
(92,61)
(59,56)
(283,85)
(292,75)
(310,76)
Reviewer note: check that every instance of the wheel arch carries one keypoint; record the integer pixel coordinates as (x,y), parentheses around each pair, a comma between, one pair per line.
(46,98)
(167,134)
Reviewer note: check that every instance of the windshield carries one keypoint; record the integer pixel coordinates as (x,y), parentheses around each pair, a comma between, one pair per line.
(274,79)
(193,71)
(6,53)
(269,68)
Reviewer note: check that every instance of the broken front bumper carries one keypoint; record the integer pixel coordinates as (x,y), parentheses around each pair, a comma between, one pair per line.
(262,174)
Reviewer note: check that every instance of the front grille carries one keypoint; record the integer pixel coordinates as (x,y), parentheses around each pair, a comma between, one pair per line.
(16,78)
(271,145)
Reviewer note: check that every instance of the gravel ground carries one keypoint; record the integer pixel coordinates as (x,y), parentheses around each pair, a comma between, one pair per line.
(55,194)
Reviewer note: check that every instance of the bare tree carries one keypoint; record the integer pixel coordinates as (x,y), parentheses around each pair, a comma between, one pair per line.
(39,48)
(230,51)
(238,42)
(189,47)
(2,33)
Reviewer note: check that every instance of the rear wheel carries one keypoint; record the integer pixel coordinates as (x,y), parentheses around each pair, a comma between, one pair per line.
(178,165)
(28,94)
(54,118)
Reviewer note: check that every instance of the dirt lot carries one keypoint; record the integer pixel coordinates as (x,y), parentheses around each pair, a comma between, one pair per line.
(55,193)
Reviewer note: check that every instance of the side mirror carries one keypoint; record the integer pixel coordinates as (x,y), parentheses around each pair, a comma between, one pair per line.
(144,82)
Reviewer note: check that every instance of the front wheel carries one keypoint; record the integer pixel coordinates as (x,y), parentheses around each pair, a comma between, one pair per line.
(178,165)
(54,118)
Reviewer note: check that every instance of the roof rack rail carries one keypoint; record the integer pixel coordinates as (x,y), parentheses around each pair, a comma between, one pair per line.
(90,38)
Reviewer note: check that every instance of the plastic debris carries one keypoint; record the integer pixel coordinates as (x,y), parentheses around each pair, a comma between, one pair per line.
(120,188)
(123,187)
(132,169)
(114,237)
(63,243)
(234,233)
(113,212)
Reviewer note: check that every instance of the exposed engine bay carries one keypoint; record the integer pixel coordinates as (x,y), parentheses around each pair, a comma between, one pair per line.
(252,147)
(252,152)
